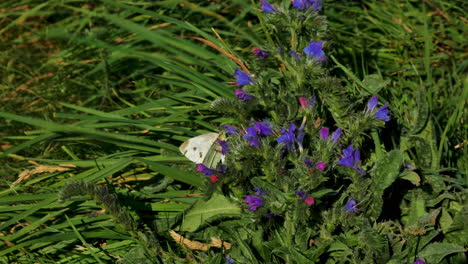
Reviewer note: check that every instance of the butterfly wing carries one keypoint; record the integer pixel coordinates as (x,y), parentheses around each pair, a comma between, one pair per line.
(214,156)
(197,148)
(204,149)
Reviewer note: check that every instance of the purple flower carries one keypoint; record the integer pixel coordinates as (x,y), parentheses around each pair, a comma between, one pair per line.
(224,146)
(261,54)
(267,7)
(252,137)
(258,191)
(254,202)
(242,78)
(306,4)
(301,194)
(243,95)
(295,55)
(351,206)
(307,103)
(205,170)
(228,260)
(314,51)
(263,128)
(309,164)
(287,138)
(324,133)
(321,166)
(418,261)
(336,135)
(230,129)
(372,103)
(381,113)
(351,158)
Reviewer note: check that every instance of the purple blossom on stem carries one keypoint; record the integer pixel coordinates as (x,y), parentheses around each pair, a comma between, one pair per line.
(321,166)
(351,206)
(381,113)
(307,103)
(351,158)
(228,260)
(258,191)
(261,54)
(267,7)
(301,194)
(372,103)
(306,4)
(263,128)
(336,135)
(230,129)
(252,137)
(314,51)
(224,146)
(205,170)
(242,78)
(295,55)
(309,164)
(287,138)
(324,133)
(254,202)
(243,95)
(418,261)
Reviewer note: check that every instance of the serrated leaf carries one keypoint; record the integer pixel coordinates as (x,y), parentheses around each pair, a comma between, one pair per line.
(217,207)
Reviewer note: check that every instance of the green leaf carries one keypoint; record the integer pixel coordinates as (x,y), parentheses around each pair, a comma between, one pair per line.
(422,115)
(375,82)
(417,209)
(445,220)
(215,208)
(411,176)
(436,252)
(387,169)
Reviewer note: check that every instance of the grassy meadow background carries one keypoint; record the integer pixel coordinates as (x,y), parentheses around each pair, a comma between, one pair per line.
(106,91)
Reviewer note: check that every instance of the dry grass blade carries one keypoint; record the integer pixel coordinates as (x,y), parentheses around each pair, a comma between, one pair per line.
(227,54)
(26,174)
(195,245)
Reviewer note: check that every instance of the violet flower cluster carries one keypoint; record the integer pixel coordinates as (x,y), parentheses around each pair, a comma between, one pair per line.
(287,135)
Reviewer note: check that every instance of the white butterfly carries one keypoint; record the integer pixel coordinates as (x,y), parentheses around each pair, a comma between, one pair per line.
(203,149)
